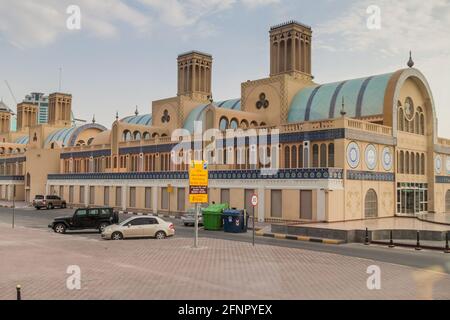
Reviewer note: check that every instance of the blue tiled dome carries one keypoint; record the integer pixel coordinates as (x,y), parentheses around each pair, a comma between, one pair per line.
(143,120)
(198,112)
(363,97)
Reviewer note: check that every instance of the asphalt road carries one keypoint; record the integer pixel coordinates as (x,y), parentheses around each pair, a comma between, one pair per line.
(402,256)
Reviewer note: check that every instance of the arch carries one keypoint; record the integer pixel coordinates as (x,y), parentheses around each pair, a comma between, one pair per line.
(155,135)
(422,124)
(417,123)
(447,201)
(28,180)
(371,204)
(136,135)
(294,163)
(401,119)
(89,142)
(407,163)
(223,124)
(287,157)
(413,163)
(263,124)
(234,124)
(417,170)
(315,156)
(146,135)
(331,155)
(253,124)
(422,164)
(401,162)
(244,124)
(323,155)
(126,136)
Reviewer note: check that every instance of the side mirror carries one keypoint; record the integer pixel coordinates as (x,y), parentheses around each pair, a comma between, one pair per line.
(129,225)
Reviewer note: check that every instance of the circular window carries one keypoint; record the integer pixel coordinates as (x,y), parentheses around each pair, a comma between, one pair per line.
(387,159)
(438,164)
(409,109)
(353,155)
(371,157)
(263,103)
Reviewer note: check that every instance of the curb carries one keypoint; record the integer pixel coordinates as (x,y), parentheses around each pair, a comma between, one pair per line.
(151,214)
(298,238)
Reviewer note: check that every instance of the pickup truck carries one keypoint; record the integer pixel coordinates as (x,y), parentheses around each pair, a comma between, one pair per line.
(84,219)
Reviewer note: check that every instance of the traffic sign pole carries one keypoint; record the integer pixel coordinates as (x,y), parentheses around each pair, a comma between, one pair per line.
(197,206)
(254,204)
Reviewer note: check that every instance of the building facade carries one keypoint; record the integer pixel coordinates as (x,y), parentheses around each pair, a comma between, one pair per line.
(355,149)
(41,101)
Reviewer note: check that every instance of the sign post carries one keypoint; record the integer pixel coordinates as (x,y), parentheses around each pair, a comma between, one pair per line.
(198,189)
(169,192)
(254,204)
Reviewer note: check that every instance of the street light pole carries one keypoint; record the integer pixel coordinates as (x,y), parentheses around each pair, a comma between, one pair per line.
(14,206)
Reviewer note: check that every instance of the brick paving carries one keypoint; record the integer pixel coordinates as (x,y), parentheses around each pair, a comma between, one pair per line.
(172,269)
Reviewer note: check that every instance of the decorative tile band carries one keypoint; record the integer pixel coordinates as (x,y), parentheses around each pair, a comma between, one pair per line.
(301,174)
(12,178)
(442,179)
(370,176)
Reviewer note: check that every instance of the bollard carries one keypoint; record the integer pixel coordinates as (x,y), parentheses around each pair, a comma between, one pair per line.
(19,296)
(447,249)
(418,248)
(367,242)
(391,241)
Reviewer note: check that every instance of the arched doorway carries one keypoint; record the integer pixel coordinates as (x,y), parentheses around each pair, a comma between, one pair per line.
(371,204)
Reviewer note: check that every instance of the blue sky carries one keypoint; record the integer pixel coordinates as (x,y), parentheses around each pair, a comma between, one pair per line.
(125,53)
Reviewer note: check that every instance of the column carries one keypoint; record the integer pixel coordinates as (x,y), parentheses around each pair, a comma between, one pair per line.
(155,195)
(261,204)
(293,53)
(194,77)
(124,197)
(86,195)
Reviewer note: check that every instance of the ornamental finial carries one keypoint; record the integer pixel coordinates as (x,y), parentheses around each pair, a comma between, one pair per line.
(411,61)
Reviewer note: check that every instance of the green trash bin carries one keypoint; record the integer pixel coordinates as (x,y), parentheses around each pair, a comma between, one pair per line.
(212,216)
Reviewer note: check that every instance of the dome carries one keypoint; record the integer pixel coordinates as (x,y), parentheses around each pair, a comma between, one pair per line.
(68,136)
(363,97)
(143,120)
(197,113)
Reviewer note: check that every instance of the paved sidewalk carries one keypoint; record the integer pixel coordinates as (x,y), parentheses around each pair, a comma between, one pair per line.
(18,204)
(171,269)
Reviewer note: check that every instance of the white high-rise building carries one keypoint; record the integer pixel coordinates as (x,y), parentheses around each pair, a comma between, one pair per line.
(41,101)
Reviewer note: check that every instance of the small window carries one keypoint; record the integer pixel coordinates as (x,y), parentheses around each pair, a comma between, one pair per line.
(94,212)
(81,213)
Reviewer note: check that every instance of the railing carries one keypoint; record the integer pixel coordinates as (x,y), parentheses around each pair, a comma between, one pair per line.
(443,141)
(368,126)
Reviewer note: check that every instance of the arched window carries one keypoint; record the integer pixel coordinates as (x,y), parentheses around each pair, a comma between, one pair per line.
(137,135)
(407,163)
(234,124)
(323,155)
(90,141)
(155,135)
(417,123)
(244,124)
(422,164)
(300,156)
(294,163)
(263,124)
(223,124)
(371,204)
(146,135)
(422,124)
(447,201)
(287,157)
(28,180)
(417,163)
(331,155)
(401,120)
(413,163)
(253,124)
(315,156)
(401,163)
(126,135)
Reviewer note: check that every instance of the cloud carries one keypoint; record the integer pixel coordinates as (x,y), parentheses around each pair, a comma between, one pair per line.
(417,25)
(29,23)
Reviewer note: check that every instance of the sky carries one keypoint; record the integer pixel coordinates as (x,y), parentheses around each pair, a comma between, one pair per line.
(124,54)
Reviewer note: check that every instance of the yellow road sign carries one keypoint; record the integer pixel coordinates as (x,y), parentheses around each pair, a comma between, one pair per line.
(198,182)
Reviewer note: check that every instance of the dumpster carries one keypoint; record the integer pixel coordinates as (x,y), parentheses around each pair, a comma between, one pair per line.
(235,221)
(212,216)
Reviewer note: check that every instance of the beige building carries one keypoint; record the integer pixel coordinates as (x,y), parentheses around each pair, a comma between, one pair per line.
(353,149)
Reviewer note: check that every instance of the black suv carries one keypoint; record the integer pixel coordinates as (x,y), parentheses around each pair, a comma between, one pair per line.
(86,218)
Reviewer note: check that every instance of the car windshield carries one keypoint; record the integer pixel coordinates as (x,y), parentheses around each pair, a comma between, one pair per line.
(39,197)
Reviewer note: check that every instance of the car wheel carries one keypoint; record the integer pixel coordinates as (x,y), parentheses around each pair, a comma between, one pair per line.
(186,224)
(102,227)
(63,206)
(38,208)
(160,235)
(117,236)
(60,228)
(49,206)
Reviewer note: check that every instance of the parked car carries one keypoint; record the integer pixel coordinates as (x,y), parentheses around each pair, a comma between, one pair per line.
(139,227)
(49,202)
(84,219)
(189,218)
